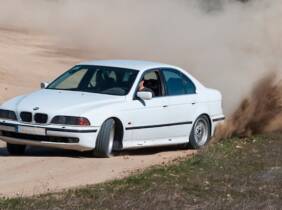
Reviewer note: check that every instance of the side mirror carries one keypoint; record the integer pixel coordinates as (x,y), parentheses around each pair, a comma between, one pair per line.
(145,95)
(44,85)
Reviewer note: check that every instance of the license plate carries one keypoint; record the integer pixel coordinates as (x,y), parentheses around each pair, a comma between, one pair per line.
(32,130)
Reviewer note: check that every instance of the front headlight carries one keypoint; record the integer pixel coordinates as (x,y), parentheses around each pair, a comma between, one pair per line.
(69,120)
(8,115)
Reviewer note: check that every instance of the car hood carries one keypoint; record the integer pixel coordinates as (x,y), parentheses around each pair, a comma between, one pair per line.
(61,102)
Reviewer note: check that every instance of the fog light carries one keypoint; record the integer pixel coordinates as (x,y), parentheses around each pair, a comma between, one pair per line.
(72,140)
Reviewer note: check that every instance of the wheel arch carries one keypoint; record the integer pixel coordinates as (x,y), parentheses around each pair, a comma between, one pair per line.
(119,133)
(194,141)
(208,117)
(203,110)
(210,122)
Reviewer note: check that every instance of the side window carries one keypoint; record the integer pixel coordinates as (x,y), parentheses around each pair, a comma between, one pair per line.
(177,83)
(151,75)
(189,85)
(151,82)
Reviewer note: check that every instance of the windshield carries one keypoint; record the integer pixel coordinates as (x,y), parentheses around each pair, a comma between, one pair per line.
(96,79)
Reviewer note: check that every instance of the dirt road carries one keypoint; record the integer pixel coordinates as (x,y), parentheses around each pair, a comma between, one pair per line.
(26,59)
(43,170)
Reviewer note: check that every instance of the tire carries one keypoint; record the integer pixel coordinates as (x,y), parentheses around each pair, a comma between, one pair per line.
(16,149)
(105,139)
(200,133)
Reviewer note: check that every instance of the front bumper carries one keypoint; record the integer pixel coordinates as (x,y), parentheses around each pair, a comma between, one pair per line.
(64,137)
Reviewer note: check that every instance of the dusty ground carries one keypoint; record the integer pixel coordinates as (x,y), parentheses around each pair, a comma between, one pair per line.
(26,59)
(44,170)
(234,174)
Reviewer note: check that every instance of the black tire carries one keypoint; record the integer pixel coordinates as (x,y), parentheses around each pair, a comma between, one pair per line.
(16,149)
(105,139)
(200,133)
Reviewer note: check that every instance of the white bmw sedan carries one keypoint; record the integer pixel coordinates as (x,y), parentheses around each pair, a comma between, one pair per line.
(106,106)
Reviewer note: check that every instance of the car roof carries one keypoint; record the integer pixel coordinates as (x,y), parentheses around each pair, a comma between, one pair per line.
(129,64)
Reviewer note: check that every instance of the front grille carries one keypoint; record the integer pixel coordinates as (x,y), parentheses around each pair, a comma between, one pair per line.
(40,118)
(26,116)
(56,139)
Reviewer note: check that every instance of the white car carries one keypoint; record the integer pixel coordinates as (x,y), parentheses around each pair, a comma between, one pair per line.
(102,106)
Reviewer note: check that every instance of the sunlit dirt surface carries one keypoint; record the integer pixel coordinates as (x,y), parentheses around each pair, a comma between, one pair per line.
(26,59)
(46,170)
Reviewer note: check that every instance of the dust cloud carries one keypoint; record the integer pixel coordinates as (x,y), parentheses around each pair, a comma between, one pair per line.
(229,45)
(261,112)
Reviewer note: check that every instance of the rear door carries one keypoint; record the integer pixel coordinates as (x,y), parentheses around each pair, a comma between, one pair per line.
(181,102)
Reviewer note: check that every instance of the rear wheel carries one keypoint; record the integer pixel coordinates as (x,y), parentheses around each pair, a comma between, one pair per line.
(16,149)
(105,139)
(201,132)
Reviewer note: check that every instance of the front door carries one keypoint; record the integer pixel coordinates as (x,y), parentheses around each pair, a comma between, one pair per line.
(149,117)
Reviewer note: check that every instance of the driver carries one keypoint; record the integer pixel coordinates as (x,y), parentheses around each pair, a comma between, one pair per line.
(145,89)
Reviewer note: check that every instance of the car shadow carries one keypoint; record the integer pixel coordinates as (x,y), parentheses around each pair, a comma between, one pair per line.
(53,152)
(151,150)
(46,152)
(3,151)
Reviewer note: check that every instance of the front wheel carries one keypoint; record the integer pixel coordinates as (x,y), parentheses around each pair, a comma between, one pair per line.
(105,139)
(200,133)
(16,149)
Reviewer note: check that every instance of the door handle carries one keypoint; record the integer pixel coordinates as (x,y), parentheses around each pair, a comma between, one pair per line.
(193,103)
(165,106)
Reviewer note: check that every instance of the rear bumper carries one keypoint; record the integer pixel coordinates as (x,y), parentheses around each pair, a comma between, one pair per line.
(64,137)
(216,120)
(219,119)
